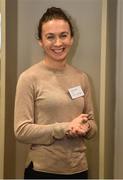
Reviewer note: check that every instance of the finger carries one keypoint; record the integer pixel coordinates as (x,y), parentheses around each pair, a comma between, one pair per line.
(84,120)
(81,133)
(74,131)
(84,115)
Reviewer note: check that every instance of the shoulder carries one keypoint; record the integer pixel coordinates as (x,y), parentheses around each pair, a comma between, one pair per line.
(76,71)
(30,73)
(28,78)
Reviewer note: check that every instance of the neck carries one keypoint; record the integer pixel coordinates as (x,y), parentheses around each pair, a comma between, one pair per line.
(55,64)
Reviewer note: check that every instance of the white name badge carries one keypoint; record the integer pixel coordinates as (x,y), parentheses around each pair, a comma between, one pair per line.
(76,92)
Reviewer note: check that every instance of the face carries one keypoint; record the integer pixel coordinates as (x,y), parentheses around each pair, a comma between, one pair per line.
(56,39)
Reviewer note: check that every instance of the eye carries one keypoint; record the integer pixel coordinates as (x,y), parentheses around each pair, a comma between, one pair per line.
(64,35)
(50,37)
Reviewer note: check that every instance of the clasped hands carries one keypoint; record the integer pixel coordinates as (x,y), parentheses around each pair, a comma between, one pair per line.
(79,126)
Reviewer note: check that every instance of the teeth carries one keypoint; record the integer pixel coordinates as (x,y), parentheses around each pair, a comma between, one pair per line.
(58,50)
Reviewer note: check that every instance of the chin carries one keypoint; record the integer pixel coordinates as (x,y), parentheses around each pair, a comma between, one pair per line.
(60,58)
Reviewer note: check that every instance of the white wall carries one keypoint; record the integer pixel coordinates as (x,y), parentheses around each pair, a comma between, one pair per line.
(118,166)
(87,16)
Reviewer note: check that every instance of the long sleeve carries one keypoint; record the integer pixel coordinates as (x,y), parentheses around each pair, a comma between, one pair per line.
(44,110)
(88,108)
(26,130)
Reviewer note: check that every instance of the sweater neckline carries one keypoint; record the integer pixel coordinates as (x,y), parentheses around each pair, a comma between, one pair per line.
(55,70)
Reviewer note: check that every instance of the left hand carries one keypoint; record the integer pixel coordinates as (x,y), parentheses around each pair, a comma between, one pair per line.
(78,130)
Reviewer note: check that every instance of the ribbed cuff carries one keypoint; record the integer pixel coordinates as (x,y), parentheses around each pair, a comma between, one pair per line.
(59,130)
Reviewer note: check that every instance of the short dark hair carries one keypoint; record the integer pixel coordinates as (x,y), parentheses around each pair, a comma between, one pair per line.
(54,13)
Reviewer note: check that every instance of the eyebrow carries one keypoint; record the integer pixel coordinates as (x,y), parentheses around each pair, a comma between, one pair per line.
(65,32)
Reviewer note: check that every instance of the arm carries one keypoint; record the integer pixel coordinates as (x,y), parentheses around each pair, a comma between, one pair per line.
(88,109)
(25,128)
(84,125)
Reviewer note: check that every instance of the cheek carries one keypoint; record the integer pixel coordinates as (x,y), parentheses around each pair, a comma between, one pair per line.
(46,45)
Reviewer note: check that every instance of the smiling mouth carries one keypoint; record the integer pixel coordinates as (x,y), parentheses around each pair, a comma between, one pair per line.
(58,51)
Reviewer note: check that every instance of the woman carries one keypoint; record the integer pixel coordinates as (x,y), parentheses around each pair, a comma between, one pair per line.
(53,106)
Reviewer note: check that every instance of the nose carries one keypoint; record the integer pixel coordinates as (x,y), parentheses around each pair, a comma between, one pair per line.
(58,42)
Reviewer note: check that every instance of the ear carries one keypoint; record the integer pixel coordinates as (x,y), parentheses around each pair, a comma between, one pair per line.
(72,41)
(40,43)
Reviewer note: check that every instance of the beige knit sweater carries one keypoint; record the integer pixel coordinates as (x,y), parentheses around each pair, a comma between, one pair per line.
(43,111)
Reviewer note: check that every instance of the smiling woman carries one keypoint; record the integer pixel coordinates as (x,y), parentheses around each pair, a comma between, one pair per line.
(56,42)
(55,37)
(56,112)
